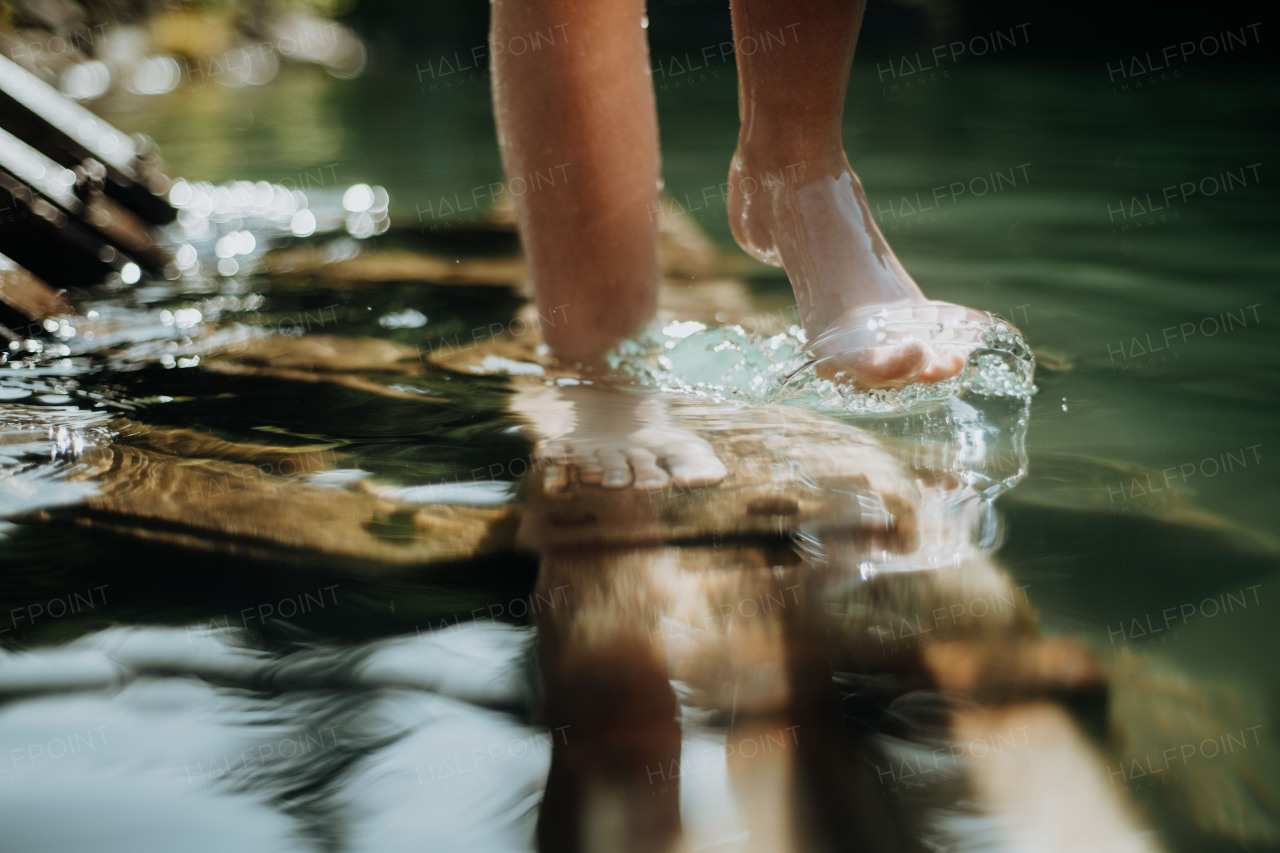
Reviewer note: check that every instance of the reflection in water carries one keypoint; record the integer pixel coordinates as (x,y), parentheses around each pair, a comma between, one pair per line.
(163,737)
(816,653)
(892,590)
(883,683)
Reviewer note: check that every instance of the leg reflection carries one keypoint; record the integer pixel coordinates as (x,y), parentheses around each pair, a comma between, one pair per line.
(604,676)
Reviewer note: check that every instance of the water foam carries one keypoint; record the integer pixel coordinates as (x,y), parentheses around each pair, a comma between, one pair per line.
(727,362)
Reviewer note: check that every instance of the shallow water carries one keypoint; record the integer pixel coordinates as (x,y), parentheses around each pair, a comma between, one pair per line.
(273,699)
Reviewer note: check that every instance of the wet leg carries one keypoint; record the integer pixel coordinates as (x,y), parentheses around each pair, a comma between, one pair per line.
(794,201)
(611,787)
(578,134)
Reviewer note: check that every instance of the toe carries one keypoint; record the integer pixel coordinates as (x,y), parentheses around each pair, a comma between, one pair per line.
(694,465)
(924,342)
(890,366)
(555,453)
(648,474)
(554,459)
(555,478)
(615,469)
(943,365)
(590,470)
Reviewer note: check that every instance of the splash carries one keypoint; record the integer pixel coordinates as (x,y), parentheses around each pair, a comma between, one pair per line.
(729,363)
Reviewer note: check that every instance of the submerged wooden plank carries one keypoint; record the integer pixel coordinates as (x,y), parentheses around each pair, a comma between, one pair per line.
(379,266)
(263,511)
(326,353)
(686,255)
(787,469)
(188,488)
(342,362)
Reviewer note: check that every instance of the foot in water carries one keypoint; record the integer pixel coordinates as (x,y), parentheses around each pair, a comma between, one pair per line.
(614,439)
(867,321)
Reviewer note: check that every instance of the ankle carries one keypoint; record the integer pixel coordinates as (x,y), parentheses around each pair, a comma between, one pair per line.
(793,161)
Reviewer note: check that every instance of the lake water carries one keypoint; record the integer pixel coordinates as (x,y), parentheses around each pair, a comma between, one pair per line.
(176,695)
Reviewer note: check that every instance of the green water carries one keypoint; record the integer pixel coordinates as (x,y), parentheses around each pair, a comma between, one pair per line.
(1155,333)
(1046,246)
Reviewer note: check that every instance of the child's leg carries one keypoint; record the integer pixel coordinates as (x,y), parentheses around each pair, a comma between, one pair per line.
(795,202)
(578,132)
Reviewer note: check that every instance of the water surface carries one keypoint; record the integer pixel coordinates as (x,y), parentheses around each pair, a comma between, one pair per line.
(265,699)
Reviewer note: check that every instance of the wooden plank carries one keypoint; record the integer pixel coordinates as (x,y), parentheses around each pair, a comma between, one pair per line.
(262,512)
(189,488)
(378,266)
(70,134)
(25,302)
(78,196)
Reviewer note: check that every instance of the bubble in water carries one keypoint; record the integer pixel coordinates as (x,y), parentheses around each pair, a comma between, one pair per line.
(727,362)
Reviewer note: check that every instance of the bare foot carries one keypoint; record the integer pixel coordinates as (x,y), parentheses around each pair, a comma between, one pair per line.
(614,439)
(867,321)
